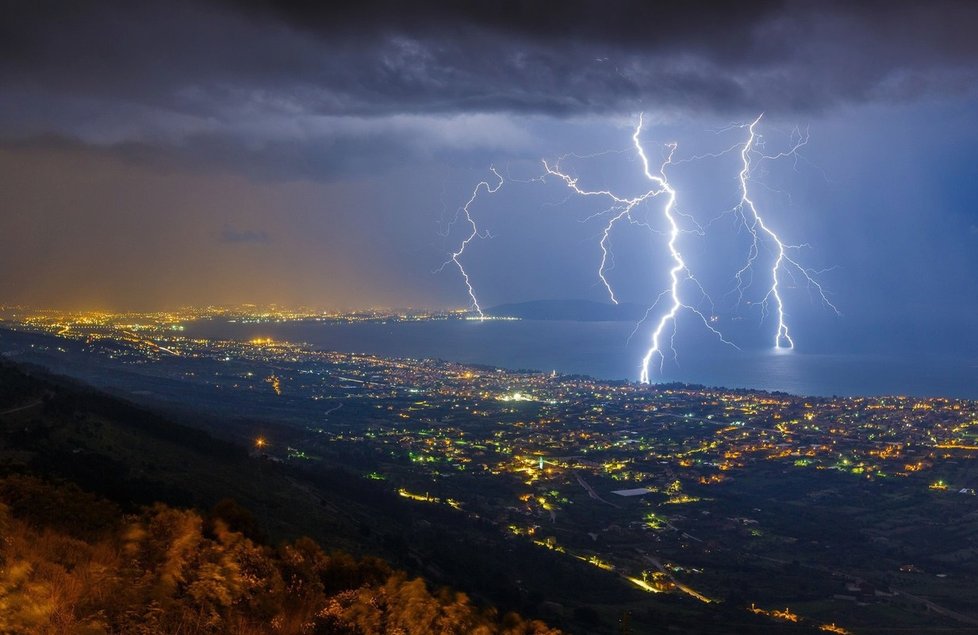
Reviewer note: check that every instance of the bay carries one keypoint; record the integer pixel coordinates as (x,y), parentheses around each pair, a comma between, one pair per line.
(608,350)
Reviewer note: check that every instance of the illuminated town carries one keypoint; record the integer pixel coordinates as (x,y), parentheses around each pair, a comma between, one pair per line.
(489,317)
(663,486)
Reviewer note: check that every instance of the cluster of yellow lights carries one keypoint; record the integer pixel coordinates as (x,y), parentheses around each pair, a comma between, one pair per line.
(788,616)
(597,562)
(427,498)
(642,584)
(276,384)
(711,479)
(682,499)
(785,615)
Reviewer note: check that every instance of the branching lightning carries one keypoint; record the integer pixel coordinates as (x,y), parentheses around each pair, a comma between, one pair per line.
(765,243)
(466,212)
(622,208)
(761,232)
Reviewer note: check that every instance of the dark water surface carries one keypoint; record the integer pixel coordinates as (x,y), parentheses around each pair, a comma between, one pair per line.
(604,350)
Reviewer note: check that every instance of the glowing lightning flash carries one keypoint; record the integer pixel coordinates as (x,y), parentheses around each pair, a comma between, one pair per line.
(679,266)
(622,208)
(473,234)
(758,228)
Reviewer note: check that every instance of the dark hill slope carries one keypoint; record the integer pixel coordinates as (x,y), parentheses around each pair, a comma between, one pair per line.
(115,457)
(83,567)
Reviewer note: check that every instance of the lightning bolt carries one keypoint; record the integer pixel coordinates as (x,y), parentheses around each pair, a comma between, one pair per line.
(761,232)
(621,208)
(785,267)
(679,270)
(465,212)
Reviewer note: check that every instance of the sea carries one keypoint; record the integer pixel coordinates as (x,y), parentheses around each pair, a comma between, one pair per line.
(610,350)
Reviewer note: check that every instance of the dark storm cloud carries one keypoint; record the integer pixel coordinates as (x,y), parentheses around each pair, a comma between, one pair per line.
(587,56)
(189,67)
(327,90)
(234,151)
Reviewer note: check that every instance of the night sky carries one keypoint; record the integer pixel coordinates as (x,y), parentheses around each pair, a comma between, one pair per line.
(157,154)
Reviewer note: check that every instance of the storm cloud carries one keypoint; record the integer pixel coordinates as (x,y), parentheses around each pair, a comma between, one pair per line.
(158,153)
(202,75)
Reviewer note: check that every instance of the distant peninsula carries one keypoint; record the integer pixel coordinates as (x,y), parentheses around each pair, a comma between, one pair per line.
(570,310)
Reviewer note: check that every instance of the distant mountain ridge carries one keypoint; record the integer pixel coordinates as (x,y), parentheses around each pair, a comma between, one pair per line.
(570,310)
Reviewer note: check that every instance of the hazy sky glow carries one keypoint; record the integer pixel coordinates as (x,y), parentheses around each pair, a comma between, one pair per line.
(196,152)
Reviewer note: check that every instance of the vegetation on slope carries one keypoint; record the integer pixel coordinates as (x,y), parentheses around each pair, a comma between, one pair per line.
(74,564)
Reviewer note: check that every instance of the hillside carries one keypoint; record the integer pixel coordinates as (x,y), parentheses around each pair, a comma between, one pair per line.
(94,467)
(75,564)
(89,546)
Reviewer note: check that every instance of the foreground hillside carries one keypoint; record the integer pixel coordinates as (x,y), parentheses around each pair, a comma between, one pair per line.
(85,473)
(71,562)
(90,545)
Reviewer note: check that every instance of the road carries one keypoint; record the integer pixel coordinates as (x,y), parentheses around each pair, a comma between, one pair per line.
(591,492)
(36,402)
(679,585)
(929,604)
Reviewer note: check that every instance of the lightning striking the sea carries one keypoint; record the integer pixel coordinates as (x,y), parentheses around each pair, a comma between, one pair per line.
(761,232)
(473,234)
(622,208)
(684,293)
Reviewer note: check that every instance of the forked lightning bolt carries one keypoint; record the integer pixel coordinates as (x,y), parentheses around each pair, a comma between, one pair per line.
(761,232)
(622,208)
(678,269)
(466,212)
